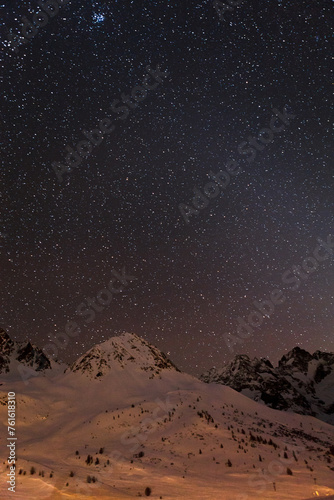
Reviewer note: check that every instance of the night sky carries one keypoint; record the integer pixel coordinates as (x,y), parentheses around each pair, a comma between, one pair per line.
(120,208)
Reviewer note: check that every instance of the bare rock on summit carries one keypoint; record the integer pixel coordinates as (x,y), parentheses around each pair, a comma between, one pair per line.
(14,353)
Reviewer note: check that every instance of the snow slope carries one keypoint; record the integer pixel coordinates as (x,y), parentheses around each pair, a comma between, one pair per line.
(145,424)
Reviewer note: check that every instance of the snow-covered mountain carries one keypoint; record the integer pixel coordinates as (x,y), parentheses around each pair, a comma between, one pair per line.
(19,355)
(302,382)
(123,422)
(126,351)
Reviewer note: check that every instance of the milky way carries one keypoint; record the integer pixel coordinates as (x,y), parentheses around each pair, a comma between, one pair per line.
(120,208)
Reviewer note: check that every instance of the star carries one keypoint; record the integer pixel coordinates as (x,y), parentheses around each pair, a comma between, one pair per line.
(120,205)
(98,18)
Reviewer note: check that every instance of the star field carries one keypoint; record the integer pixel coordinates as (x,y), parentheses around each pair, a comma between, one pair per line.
(120,207)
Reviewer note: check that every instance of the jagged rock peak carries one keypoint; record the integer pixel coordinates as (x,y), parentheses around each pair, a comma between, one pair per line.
(296,357)
(33,356)
(6,343)
(24,353)
(302,382)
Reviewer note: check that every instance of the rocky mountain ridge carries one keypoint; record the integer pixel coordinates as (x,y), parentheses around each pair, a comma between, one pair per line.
(22,354)
(302,382)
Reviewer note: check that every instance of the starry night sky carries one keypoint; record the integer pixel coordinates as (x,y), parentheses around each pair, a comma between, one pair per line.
(120,207)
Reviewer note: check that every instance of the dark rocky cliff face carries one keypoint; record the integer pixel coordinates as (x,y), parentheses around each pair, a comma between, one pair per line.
(302,382)
(25,353)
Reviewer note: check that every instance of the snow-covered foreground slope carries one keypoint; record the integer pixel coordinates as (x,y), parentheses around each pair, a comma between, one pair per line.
(302,382)
(140,423)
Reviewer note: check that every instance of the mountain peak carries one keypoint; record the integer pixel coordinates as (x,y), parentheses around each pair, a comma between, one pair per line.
(298,358)
(302,382)
(13,354)
(297,352)
(124,351)
(328,357)
(6,343)
(33,356)
(240,370)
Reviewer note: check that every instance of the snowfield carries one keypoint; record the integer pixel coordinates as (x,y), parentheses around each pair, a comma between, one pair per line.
(124,419)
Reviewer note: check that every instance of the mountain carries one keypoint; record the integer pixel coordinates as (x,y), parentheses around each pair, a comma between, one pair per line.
(19,356)
(122,422)
(302,382)
(128,351)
